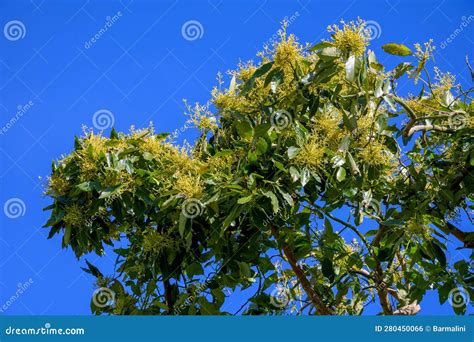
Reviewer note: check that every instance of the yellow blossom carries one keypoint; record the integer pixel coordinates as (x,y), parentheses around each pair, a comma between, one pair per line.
(312,154)
(75,215)
(189,185)
(57,185)
(155,242)
(352,38)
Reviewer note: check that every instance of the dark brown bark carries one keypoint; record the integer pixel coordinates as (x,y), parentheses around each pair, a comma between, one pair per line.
(168,296)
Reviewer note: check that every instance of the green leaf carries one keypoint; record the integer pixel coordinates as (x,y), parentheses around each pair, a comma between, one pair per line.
(401,69)
(275,77)
(113,134)
(329,53)
(320,46)
(252,157)
(182,224)
(262,146)
(295,174)
(444,291)
(245,130)
(287,197)
(274,200)
(194,269)
(305,175)
(244,200)
(262,129)
(88,186)
(397,49)
(109,192)
(259,72)
(77,143)
(67,236)
(161,136)
(341,174)
(293,151)
(338,161)
(352,68)
(262,70)
(378,88)
(91,269)
(328,269)
(245,269)
(439,253)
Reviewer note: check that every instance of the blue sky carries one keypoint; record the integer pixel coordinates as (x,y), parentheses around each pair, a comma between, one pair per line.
(139,70)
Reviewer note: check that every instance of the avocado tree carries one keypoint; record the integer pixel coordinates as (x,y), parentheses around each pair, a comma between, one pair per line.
(312,183)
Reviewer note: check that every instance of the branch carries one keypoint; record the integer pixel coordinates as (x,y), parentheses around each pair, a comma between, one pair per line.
(362,272)
(407,108)
(461,235)
(168,295)
(427,127)
(410,309)
(381,286)
(344,223)
(403,265)
(314,297)
(394,293)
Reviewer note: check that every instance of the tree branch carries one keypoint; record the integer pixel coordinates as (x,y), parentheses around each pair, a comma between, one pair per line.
(321,307)
(428,127)
(379,279)
(168,297)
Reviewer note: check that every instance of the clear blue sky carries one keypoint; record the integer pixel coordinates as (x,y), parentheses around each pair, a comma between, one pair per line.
(139,70)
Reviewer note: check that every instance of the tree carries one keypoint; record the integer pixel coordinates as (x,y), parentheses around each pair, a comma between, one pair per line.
(312,183)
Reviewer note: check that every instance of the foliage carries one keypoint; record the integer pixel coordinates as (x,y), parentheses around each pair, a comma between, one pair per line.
(306,137)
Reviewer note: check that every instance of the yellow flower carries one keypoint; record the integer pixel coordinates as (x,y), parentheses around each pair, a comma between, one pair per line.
(376,154)
(312,154)
(75,215)
(153,146)
(57,185)
(155,242)
(352,38)
(287,53)
(220,166)
(189,185)
(201,117)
